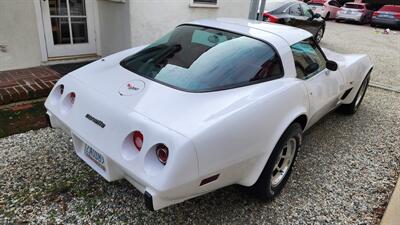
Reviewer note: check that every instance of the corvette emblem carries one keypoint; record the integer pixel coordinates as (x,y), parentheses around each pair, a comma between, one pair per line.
(131,87)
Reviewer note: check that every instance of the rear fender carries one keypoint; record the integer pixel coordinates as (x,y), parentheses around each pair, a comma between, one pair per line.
(259,162)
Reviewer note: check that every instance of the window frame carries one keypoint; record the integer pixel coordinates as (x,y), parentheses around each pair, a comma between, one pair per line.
(323,55)
(290,6)
(226,87)
(200,4)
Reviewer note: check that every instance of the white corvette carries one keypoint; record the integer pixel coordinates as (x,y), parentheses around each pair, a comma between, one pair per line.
(212,103)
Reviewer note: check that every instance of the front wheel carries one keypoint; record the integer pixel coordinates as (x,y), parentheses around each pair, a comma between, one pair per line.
(279,165)
(353,106)
(320,34)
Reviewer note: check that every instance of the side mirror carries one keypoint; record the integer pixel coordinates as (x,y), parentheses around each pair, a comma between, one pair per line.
(331,65)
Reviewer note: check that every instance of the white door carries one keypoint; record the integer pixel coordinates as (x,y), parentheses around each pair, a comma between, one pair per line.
(324,87)
(68,27)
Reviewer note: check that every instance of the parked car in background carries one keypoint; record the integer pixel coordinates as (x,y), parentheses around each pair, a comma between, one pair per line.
(388,15)
(327,9)
(358,12)
(212,103)
(317,6)
(295,13)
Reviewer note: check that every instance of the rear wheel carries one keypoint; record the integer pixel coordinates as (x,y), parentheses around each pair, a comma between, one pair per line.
(327,16)
(279,165)
(353,106)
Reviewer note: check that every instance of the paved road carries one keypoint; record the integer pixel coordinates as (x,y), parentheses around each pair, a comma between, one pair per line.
(344,174)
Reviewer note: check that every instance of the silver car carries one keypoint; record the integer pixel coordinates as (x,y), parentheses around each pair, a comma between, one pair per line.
(357,12)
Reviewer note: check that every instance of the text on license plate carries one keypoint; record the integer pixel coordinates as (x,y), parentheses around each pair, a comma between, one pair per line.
(95,156)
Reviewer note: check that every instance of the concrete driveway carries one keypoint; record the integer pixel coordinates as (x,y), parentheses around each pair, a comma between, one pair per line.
(384,49)
(344,174)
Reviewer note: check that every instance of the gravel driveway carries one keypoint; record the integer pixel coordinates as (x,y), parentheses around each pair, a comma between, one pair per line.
(344,175)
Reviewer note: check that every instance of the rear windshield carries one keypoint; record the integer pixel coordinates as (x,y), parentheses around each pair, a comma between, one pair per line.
(195,58)
(390,8)
(353,6)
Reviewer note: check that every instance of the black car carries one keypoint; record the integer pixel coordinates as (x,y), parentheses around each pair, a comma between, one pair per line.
(295,13)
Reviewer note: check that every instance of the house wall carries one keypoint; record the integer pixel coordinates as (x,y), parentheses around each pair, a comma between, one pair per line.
(18,31)
(114,26)
(152,18)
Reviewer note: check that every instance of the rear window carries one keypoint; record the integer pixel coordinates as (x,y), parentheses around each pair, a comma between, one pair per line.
(353,6)
(195,58)
(273,5)
(390,8)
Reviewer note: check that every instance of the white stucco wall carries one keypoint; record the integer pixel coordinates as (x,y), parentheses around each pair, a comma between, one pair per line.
(152,18)
(18,30)
(114,26)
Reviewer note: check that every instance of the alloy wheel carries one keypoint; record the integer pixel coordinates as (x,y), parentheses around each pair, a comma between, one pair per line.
(283,162)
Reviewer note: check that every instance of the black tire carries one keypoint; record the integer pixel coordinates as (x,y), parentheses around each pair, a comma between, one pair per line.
(373,25)
(327,16)
(353,106)
(263,188)
(338,20)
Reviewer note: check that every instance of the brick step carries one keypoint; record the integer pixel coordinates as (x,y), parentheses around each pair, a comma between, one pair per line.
(26,84)
(23,116)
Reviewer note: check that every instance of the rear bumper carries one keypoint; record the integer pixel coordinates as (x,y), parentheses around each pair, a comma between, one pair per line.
(388,22)
(155,197)
(350,17)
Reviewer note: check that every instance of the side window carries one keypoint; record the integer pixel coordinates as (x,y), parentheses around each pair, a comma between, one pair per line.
(308,59)
(307,11)
(295,10)
(334,3)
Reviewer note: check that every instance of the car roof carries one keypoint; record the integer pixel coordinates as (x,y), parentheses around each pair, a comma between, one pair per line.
(290,34)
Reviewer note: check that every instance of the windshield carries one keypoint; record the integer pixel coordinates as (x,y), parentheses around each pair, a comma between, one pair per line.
(196,58)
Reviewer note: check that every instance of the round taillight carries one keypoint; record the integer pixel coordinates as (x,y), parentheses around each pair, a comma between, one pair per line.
(72,97)
(162,153)
(61,89)
(138,140)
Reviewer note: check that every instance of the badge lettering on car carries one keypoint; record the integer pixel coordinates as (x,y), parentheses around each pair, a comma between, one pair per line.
(96,121)
(131,88)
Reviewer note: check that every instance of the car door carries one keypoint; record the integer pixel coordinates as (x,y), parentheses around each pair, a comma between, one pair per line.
(296,18)
(334,7)
(324,87)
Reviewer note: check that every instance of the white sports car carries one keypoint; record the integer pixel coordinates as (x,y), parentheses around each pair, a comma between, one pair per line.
(213,103)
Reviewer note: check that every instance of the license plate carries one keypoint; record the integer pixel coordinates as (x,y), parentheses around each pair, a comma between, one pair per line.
(95,156)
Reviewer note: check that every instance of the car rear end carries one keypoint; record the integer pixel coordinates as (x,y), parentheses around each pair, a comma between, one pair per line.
(317,6)
(120,143)
(388,15)
(352,12)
